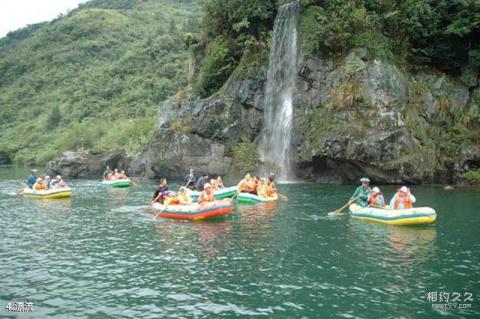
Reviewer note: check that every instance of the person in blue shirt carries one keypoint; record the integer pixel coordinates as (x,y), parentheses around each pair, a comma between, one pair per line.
(32,179)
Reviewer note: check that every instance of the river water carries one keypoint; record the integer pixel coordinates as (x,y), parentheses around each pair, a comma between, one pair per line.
(100,255)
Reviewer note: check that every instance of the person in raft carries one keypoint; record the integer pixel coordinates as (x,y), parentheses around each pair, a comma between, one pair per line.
(376,197)
(183,196)
(403,199)
(106,172)
(360,196)
(200,185)
(247,185)
(58,182)
(207,195)
(39,185)
(161,192)
(32,179)
(190,179)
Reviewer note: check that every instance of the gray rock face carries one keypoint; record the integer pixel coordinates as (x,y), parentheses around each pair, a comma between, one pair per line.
(85,164)
(170,154)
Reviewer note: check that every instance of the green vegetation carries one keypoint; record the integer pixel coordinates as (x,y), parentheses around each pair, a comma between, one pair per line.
(231,28)
(442,33)
(245,159)
(92,79)
(473,177)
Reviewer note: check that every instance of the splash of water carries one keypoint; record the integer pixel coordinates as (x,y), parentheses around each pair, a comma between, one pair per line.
(280,87)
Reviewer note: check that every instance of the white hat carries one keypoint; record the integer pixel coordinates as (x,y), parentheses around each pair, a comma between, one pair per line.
(207,185)
(376,190)
(403,189)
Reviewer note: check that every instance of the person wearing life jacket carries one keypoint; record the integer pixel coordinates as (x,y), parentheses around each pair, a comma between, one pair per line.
(403,199)
(262,188)
(360,196)
(170,198)
(213,183)
(58,182)
(183,196)
(247,185)
(39,185)
(271,188)
(376,197)
(122,175)
(207,195)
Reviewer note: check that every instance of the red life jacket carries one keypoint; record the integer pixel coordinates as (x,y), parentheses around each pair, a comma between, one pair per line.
(374,199)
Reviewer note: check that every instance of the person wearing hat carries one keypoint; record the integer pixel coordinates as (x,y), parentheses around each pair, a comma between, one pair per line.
(32,179)
(376,197)
(39,185)
(207,194)
(403,199)
(360,196)
(190,179)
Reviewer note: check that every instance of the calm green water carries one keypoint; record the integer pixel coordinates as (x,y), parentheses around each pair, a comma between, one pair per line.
(100,255)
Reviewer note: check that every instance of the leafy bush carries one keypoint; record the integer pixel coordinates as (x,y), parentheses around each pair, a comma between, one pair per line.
(473,177)
(245,158)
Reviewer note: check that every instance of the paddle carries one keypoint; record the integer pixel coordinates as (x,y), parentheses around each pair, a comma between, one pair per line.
(282,197)
(20,191)
(338,211)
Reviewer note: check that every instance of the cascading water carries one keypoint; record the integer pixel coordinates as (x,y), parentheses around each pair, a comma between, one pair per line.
(280,87)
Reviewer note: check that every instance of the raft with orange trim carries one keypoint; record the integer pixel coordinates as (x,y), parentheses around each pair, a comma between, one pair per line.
(410,216)
(194,211)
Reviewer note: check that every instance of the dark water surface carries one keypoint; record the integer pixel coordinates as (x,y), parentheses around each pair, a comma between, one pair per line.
(100,255)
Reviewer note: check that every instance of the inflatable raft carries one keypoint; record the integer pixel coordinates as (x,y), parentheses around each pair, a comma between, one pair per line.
(118,183)
(248,198)
(227,192)
(63,192)
(412,216)
(193,211)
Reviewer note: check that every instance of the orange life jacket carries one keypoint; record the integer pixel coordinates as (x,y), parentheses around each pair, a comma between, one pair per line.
(39,187)
(404,200)
(171,201)
(207,197)
(374,199)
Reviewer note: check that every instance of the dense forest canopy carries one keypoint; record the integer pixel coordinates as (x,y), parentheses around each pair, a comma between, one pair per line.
(444,34)
(92,79)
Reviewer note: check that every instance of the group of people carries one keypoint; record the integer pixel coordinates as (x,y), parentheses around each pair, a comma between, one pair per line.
(365,196)
(262,187)
(163,195)
(114,175)
(46,183)
(193,183)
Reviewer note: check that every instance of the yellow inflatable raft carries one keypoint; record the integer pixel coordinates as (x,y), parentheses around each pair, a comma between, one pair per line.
(63,192)
(411,216)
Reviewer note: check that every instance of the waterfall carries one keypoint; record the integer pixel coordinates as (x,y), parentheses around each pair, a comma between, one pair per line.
(280,87)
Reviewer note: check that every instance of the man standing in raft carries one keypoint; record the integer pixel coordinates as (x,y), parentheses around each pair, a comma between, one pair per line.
(190,179)
(32,179)
(403,199)
(361,194)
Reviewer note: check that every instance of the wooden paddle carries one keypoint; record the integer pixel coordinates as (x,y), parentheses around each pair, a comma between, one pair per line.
(20,191)
(282,197)
(339,211)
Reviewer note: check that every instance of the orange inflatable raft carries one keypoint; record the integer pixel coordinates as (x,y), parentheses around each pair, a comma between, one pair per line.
(193,211)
